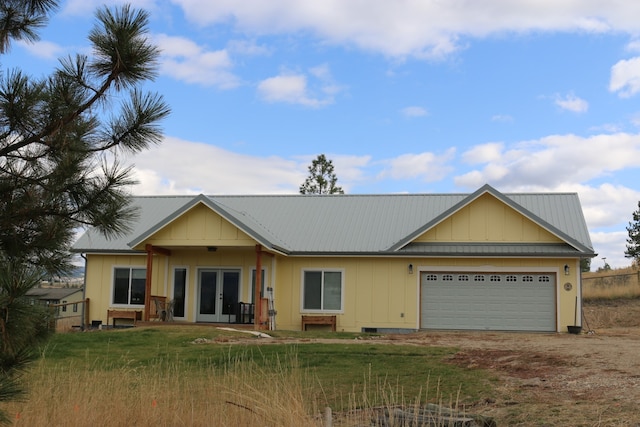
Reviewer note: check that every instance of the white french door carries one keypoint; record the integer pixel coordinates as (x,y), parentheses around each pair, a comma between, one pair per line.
(218,291)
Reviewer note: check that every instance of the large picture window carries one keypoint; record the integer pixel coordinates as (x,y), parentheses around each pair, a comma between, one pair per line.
(129,285)
(322,291)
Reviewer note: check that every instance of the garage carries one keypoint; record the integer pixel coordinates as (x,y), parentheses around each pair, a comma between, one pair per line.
(488,301)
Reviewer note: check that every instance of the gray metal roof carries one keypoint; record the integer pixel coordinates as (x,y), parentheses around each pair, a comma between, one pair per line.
(344,224)
(52,293)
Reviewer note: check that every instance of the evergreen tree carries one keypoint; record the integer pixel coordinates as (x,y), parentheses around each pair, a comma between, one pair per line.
(633,242)
(60,138)
(321,179)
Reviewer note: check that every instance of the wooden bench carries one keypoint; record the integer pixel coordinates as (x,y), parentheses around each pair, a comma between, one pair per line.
(319,320)
(123,314)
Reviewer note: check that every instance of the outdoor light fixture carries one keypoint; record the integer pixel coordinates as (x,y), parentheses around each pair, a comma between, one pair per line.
(566,270)
(410,268)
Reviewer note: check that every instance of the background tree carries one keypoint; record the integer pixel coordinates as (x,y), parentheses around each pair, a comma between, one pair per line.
(585,265)
(633,242)
(321,179)
(60,138)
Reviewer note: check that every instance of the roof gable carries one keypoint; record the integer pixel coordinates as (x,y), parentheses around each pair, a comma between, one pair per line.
(487,219)
(485,231)
(198,225)
(204,219)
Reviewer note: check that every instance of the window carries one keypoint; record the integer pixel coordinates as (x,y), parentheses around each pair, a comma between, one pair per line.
(447,277)
(463,278)
(511,278)
(129,286)
(64,307)
(527,278)
(494,278)
(75,307)
(544,279)
(431,277)
(322,290)
(179,291)
(478,278)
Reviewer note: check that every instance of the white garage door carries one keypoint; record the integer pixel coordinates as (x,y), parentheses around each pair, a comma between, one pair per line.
(488,301)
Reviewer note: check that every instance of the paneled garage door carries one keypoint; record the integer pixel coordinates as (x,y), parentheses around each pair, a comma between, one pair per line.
(488,301)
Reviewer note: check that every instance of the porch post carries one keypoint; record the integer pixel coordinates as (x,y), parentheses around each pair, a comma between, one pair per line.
(147,284)
(257,308)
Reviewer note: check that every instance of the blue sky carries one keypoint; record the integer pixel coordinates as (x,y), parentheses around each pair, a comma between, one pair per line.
(404,96)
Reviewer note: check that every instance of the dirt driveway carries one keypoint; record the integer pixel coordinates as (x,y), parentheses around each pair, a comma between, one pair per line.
(553,379)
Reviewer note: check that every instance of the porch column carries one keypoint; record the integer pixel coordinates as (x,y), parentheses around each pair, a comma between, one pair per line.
(147,282)
(257,307)
(147,285)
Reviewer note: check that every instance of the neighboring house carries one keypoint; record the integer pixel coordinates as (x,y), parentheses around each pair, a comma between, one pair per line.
(483,261)
(49,296)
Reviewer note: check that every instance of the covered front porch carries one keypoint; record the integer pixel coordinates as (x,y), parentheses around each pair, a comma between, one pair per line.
(208,284)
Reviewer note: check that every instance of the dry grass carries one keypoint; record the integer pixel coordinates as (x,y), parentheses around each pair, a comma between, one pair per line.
(612,284)
(169,393)
(166,394)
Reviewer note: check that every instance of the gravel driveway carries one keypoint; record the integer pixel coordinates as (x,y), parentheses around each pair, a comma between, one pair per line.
(553,379)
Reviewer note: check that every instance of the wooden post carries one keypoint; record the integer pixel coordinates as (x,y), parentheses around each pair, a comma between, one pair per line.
(257,310)
(147,284)
(86,321)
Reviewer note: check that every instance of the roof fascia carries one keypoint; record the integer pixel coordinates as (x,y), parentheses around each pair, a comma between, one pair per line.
(487,189)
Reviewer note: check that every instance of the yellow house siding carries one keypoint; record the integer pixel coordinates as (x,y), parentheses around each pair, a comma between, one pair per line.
(99,279)
(200,226)
(377,292)
(487,219)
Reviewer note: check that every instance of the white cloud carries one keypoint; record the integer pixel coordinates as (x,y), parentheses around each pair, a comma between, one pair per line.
(83,7)
(625,77)
(414,111)
(633,46)
(177,167)
(402,28)
(503,118)
(611,246)
(247,47)
(294,88)
(426,166)
(554,160)
(572,103)
(184,60)
(42,49)
(483,153)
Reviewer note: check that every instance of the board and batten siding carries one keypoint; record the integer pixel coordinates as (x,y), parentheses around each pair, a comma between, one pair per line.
(200,226)
(487,220)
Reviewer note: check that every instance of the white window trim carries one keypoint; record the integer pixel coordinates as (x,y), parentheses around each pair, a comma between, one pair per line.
(322,270)
(113,282)
(251,289)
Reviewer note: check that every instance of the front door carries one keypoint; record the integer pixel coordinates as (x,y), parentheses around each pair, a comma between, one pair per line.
(218,295)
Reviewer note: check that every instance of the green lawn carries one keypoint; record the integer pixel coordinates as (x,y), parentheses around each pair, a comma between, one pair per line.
(373,371)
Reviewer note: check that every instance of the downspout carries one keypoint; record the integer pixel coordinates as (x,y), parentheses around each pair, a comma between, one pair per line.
(257,311)
(84,292)
(272,312)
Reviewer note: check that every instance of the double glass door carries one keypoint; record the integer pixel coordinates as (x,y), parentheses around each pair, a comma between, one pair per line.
(218,291)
